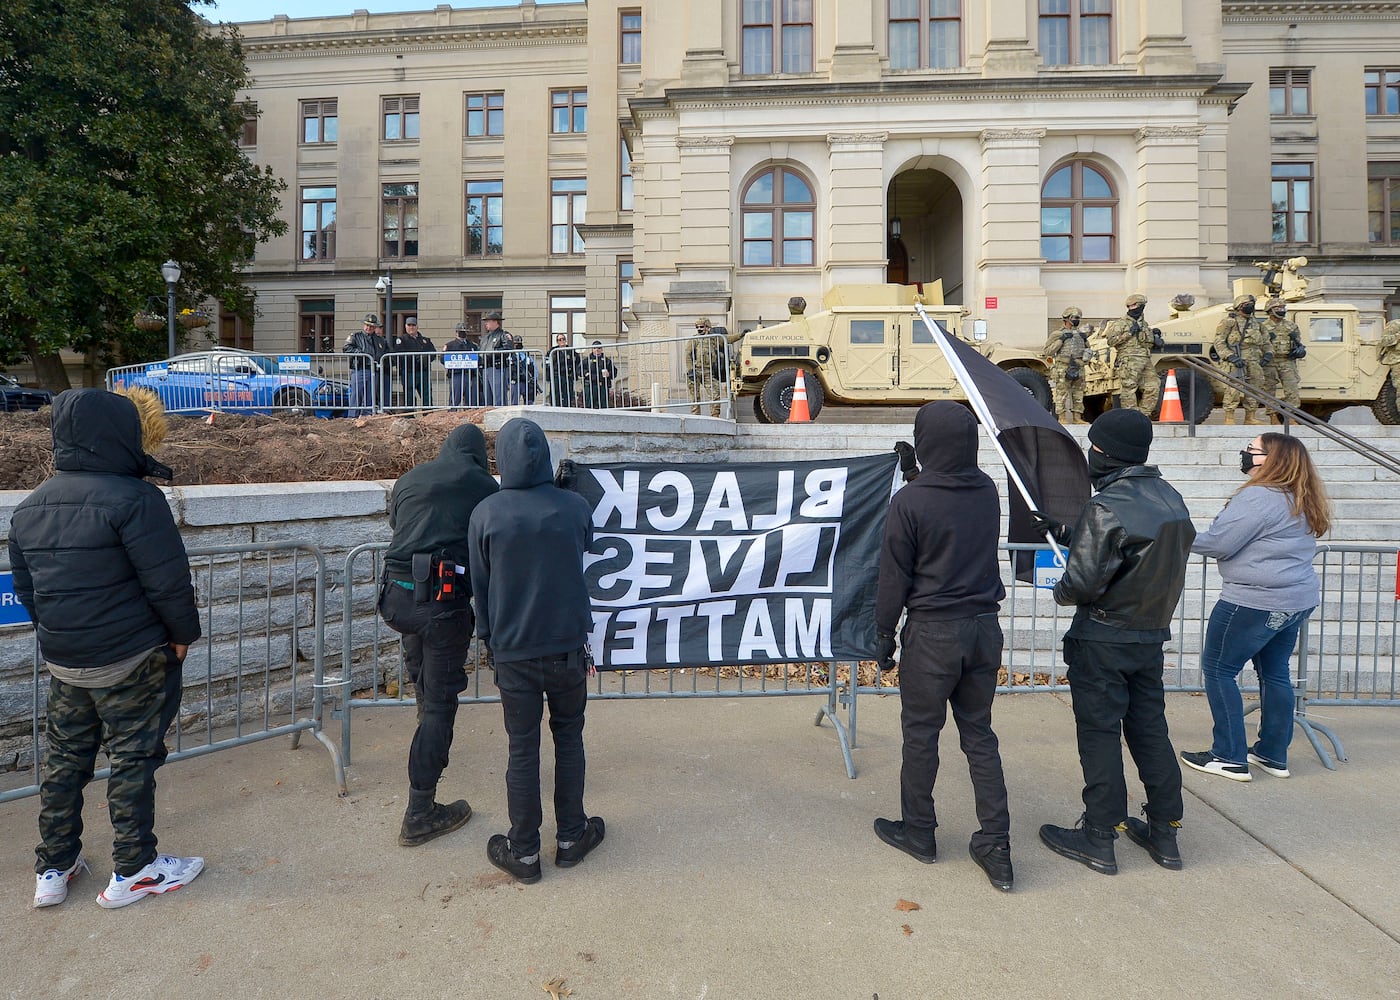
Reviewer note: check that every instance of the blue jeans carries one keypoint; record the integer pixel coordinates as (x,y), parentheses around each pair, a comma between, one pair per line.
(1235,635)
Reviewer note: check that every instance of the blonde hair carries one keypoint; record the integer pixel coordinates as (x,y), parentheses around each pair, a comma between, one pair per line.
(155,425)
(1289,469)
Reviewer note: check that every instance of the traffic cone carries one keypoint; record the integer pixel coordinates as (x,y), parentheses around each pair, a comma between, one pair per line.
(1171,401)
(797,413)
(210,419)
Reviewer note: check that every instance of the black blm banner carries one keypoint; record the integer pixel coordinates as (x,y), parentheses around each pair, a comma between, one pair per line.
(707,565)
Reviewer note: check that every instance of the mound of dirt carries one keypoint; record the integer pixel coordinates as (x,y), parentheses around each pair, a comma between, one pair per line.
(285,448)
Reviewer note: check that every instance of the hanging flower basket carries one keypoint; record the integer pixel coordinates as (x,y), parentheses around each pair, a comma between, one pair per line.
(190,319)
(148,321)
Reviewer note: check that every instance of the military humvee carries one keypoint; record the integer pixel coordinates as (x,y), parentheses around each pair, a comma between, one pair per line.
(867,345)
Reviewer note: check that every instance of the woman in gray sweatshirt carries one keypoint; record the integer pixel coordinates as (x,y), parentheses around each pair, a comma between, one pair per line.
(1263,543)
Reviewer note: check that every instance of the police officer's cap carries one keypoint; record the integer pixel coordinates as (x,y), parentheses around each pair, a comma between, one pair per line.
(371,319)
(1072,312)
(492,314)
(411,321)
(460,328)
(1136,299)
(1243,300)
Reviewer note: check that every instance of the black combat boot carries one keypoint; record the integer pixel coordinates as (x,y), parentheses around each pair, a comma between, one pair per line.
(1089,845)
(1158,838)
(427,820)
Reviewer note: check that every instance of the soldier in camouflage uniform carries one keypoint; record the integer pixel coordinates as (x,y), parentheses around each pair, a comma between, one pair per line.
(1285,340)
(707,372)
(1065,351)
(1390,353)
(1132,338)
(1243,349)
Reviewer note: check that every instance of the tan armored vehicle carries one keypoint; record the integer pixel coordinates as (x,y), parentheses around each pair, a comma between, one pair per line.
(867,345)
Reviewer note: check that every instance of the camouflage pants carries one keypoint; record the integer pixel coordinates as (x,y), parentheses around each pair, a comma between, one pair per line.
(1282,372)
(128,719)
(1069,396)
(1137,381)
(703,386)
(1254,375)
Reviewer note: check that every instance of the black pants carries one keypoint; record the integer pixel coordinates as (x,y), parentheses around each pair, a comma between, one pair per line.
(435,639)
(524,687)
(952,664)
(1116,688)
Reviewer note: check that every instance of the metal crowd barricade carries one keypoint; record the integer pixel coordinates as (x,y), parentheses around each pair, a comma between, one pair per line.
(373,673)
(657,375)
(246,680)
(443,380)
(229,381)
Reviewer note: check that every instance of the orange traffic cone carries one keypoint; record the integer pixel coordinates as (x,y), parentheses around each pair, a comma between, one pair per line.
(210,419)
(1171,401)
(798,413)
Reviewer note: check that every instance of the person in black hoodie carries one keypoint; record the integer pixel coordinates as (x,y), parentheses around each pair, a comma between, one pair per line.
(100,567)
(426,598)
(938,564)
(533,612)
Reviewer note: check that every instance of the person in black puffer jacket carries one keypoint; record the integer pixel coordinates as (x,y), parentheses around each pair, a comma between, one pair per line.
(100,567)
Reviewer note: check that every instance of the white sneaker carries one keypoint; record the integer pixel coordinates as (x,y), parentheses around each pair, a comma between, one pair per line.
(1268,766)
(51,888)
(164,874)
(1206,761)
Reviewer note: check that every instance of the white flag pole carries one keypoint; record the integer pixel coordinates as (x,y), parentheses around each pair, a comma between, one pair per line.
(979,407)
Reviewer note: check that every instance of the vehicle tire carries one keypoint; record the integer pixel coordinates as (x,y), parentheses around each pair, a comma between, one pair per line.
(1035,384)
(758,413)
(1185,379)
(1387,404)
(776,395)
(292,399)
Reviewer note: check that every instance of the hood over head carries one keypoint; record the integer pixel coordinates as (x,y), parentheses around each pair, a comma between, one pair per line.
(99,431)
(522,455)
(945,440)
(466,441)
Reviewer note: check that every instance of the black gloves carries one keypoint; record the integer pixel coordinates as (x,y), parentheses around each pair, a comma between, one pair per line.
(1158,343)
(1297,352)
(566,476)
(884,651)
(908,464)
(1267,358)
(1049,526)
(1236,360)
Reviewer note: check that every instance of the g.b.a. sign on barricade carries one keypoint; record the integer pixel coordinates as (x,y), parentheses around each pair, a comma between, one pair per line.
(707,565)
(11,611)
(1047,570)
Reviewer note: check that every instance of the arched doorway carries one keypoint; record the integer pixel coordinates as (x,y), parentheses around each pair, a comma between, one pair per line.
(924,230)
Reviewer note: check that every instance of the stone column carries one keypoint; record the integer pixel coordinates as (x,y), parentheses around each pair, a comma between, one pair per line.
(1009,260)
(1012,35)
(855,57)
(1167,203)
(705,63)
(1162,45)
(705,194)
(856,218)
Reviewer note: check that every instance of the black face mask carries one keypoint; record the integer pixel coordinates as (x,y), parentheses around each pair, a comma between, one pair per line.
(1247,310)
(1074,322)
(1100,465)
(1247,461)
(1136,312)
(1278,314)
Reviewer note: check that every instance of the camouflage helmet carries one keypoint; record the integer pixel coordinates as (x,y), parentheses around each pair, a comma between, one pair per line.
(1136,299)
(703,323)
(1073,312)
(1244,300)
(1277,305)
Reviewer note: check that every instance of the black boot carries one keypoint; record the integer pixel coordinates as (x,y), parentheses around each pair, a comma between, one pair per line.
(1158,838)
(426,820)
(1089,845)
(918,844)
(502,855)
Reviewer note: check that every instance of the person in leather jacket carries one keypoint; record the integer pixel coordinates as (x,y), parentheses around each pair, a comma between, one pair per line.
(1124,573)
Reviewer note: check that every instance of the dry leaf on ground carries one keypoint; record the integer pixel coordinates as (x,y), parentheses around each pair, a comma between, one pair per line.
(904,906)
(556,988)
(906,929)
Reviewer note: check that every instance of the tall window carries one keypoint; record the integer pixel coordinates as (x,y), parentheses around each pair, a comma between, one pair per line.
(777,33)
(1076,32)
(400,203)
(1383,202)
(1383,91)
(629,51)
(1291,194)
(486,115)
(316,325)
(472,308)
(248,134)
(485,225)
(1078,216)
(568,111)
(568,315)
(925,34)
(319,122)
(400,116)
(318,223)
(625,271)
(1290,92)
(779,218)
(568,201)
(624,190)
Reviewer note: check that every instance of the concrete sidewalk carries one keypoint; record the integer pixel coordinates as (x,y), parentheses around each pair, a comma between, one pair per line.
(739,862)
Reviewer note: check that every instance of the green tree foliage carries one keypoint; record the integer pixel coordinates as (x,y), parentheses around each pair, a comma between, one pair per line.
(118,128)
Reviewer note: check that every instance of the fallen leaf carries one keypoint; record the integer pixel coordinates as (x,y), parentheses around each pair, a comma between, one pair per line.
(556,988)
(906,929)
(904,906)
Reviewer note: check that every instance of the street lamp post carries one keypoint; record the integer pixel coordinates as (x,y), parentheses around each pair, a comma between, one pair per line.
(385,287)
(171,272)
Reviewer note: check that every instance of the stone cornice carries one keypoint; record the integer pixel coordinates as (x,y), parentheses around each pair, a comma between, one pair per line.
(1310,10)
(1011,135)
(870,139)
(1158,133)
(705,143)
(411,39)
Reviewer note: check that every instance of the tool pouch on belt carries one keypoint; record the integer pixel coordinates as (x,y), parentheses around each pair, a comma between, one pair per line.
(422,577)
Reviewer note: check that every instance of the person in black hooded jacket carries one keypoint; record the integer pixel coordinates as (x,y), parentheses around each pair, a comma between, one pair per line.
(429,604)
(100,566)
(533,611)
(938,563)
